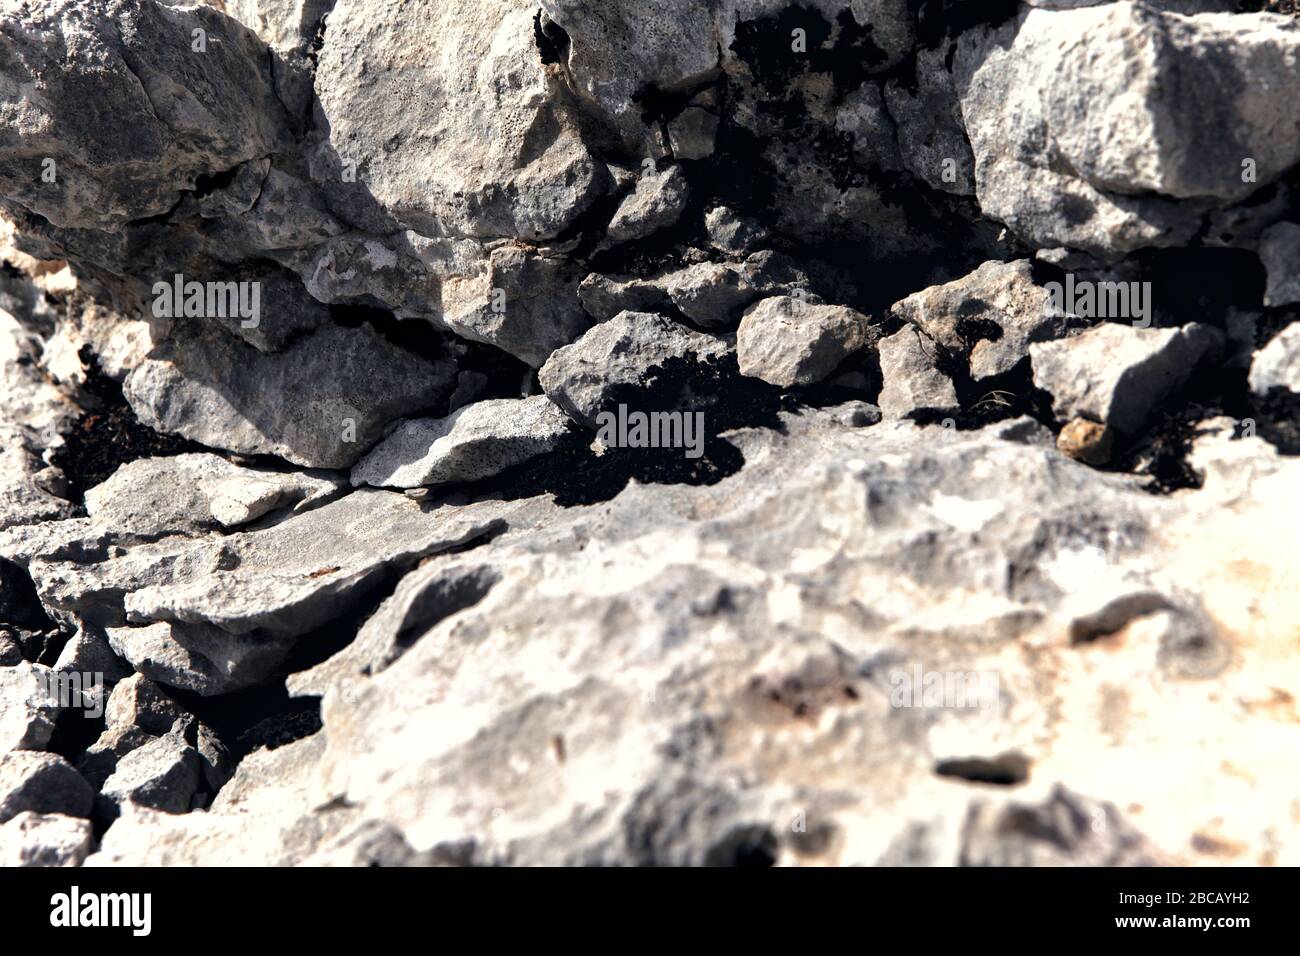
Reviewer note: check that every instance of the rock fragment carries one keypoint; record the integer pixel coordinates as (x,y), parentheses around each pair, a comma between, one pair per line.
(28,708)
(1117,374)
(909,366)
(1279,250)
(45,840)
(41,783)
(586,377)
(163,774)
(786,341)
(1277,364)
(656,203)
(1085,441)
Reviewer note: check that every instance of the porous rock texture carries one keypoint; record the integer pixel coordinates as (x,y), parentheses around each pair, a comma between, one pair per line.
(733,433)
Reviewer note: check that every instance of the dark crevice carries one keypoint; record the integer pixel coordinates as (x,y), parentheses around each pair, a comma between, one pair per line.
(552,41)
(1005,770)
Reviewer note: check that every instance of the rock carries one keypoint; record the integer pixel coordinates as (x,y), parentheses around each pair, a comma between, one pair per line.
(603,297)
(87,653)
(138,702)
(1279,250)
(1079,133)
(624,353)
(656,203)
(523,303)
(1117,374)
(26,494)
(1085,441)
(315,404)
(451,120)
(991,315)
(193,493)
(479,441)
(730,233)
(1277,364)
(932,141)
(28,707)
(41,783)
(11,652)
(198,657)
(162,116)
(163,774)
(786,342)
(44,839)
(693,133)
(1063,830)
(710,294)
(909,365)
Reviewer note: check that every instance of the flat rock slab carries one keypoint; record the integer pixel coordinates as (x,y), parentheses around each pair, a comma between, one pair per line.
(321,403)
(478,441)
(151,497)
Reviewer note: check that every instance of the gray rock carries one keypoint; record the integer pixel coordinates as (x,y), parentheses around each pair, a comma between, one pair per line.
(786,341)
(41,783)
(1279,250)
(693,133)
(11,652)
(163,774)
(587,376)
(656,203)
(478,441)
(932,142)
(522,303)
(198,657)
(44,839)
(1078,126)
(731,233)
(712,295)
(1117,374)
(163,113)
(315,404)
(604,297)
(1001,293)
(87,653)
(28,707)
(1277,365)
(27,495)
(193,493)
(912,379)
(453,122)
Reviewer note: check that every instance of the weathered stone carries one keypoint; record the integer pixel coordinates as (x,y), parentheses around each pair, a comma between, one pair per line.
(729,232)
(587,376)
(198,657)
(1279,250)
(27,709)
(1117,374)
(656,203)
(693,133)
(1277,364)
(163,774)
(786,341)
(41,783)
(44,839)
(991,315)
(130,113)
(451,120)
(316,404)
(909,365)
(1079,130)
(479,441)
(522,303)
(192,493)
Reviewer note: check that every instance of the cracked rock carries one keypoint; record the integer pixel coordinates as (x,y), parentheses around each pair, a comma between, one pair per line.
(656,203)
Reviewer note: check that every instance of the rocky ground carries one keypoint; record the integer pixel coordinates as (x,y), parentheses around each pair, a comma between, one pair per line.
(982,551)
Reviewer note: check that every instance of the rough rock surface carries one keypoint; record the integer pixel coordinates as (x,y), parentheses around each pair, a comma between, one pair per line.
(892,555)
(786,341)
